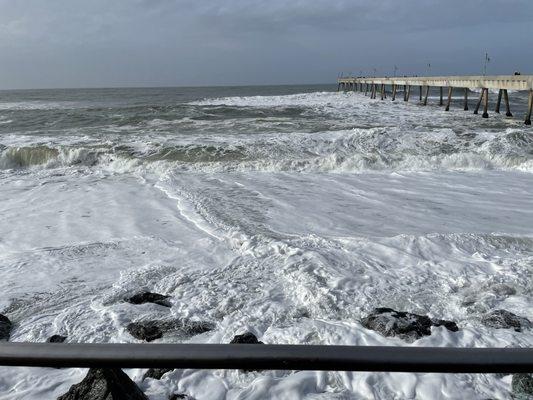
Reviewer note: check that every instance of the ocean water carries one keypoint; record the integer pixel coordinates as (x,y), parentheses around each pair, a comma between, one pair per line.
(288,211)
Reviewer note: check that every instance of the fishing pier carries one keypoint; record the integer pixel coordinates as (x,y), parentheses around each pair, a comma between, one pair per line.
(381,86)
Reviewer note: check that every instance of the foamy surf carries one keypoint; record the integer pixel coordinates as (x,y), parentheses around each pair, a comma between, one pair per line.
(289,215)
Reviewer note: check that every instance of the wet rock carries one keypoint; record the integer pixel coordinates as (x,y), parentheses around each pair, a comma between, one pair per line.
(56,339)
(404,325)
(192,328)
(104,384)
(501,289)
(245,338)
(147,330)
(149,297)
(156,373)
(503,319)
(151,330)
(177,396)
(522,386)
(5,327)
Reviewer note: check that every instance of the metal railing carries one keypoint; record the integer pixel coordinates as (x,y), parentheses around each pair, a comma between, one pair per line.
(272,357)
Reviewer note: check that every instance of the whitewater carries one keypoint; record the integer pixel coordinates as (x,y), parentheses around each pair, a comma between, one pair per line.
(290,212)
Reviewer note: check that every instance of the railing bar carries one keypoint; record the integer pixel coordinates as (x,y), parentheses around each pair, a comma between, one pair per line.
(274,357)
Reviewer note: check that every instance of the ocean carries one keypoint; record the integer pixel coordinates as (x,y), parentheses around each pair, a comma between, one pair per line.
(287,211)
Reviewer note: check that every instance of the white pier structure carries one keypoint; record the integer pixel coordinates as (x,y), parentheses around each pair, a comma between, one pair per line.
(502,83)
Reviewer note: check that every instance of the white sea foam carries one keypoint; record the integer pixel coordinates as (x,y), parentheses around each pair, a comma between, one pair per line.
(294,236)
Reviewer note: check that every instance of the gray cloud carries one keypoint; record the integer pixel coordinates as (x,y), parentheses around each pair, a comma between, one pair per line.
(50,43)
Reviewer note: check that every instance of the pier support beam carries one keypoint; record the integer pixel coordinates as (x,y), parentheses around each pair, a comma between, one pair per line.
(498,102)
(382,91)
(479,101)
(529,107)
(420,93)
(450,89)
(466,100)
(506,101)
(486,104)
(440,96)
(393,92)
(426,95)
(407,93)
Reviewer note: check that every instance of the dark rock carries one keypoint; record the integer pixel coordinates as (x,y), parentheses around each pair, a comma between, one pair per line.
(245,338)
(5,327)
(503,319)
(156,373)
(192,328)
(56,339)
(147,330)
(149,297)
(104,384)
(177,396)
(151,330)
(405,325)
(522,386)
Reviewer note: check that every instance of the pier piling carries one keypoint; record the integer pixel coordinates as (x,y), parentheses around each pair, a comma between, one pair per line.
(479,101)
(393,91)
(486,104)
(449,99)
(498,102)
(440,96)
(426,95)
(407,93)
(465,101)
(506,101)
(529,107)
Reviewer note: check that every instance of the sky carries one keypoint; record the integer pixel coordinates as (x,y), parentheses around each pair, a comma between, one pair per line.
(113,43)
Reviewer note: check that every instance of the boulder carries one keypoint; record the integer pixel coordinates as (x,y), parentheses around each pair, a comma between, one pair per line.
(56,339)
(245,338)
(503,319)
(193,328)
(404,325)
(147,330)
(5,327)
(151,330)
(522,386)
(149,297)
(156,373)
(104,384)
(177,396)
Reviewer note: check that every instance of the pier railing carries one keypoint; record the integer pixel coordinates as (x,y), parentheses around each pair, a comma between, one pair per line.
(269,357)
(503,83)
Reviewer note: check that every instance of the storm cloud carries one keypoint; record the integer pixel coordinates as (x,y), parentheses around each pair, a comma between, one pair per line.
(74,43)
